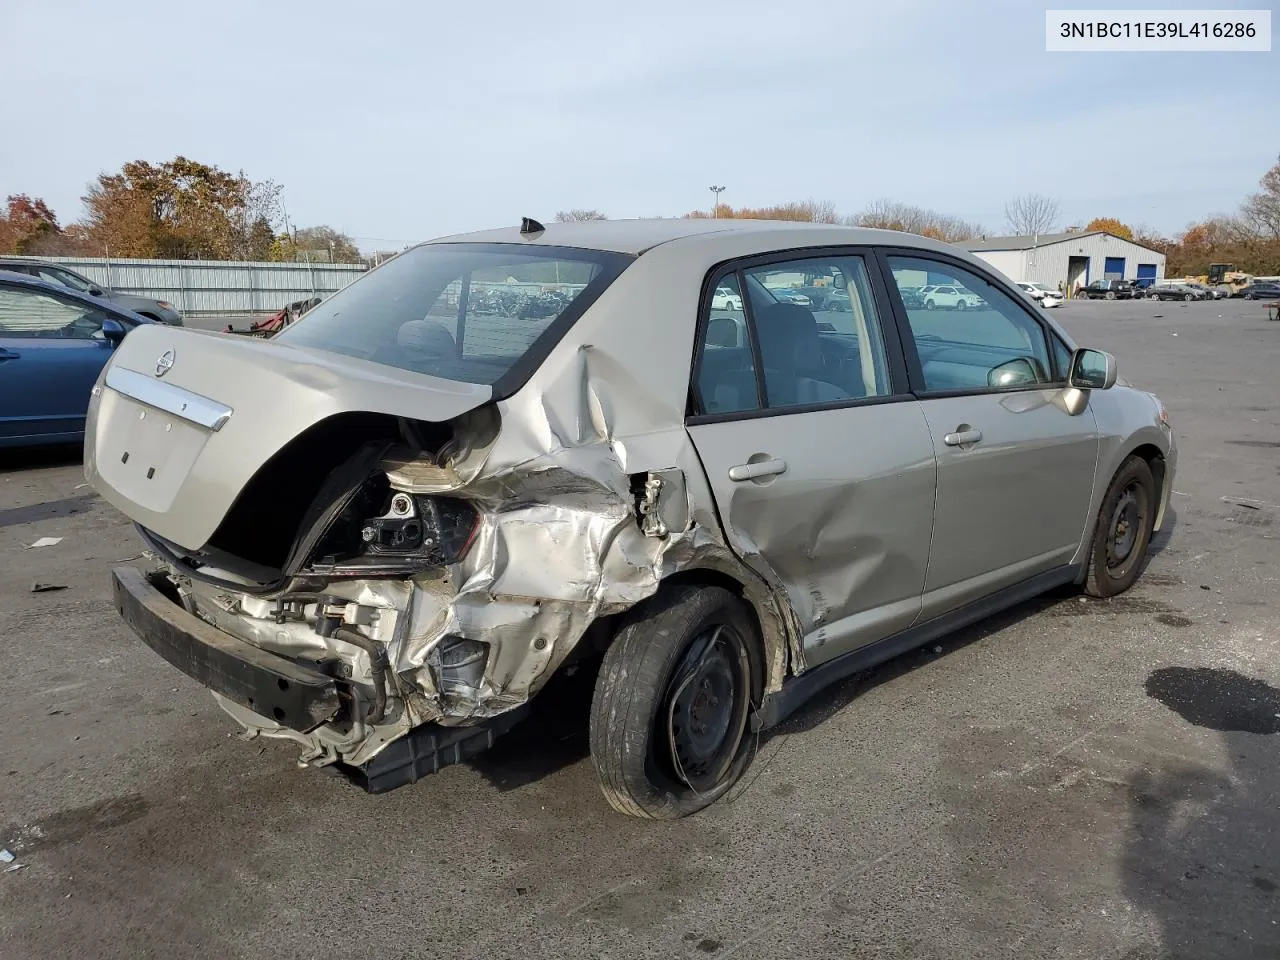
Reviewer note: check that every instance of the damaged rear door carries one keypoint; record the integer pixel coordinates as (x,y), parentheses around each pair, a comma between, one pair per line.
(822,464)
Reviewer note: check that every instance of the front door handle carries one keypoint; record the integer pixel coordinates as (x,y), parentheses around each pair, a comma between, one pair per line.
(962,437)
(754,471)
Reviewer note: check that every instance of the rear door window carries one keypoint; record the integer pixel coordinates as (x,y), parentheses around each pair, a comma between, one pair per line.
(782,353)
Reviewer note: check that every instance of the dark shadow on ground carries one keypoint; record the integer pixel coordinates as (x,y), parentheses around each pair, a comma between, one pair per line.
(48,510)
(1203,851)
(552,737)
(835,698)
(555,734)
(35,458)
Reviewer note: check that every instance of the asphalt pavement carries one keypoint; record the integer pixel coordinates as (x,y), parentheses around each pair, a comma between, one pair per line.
(1072,779)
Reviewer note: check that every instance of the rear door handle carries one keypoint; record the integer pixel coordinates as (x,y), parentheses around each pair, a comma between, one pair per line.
(754,471)
(961,437)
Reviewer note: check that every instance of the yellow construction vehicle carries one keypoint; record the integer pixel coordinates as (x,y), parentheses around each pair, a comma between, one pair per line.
(1226,275)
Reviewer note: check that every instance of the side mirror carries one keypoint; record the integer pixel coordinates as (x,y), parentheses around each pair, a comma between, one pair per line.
(1092,370)
(1015,373)
(96,292)
(113,330)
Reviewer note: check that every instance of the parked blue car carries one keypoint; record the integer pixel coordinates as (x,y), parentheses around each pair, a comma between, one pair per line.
(53,344)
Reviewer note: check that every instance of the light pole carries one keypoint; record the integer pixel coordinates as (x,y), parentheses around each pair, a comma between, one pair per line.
(715,202)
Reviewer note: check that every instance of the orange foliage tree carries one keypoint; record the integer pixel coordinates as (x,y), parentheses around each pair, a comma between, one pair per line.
(1112,226)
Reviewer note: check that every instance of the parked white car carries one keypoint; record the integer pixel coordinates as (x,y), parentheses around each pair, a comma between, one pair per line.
(950,298)
(725,299)
(1043,295)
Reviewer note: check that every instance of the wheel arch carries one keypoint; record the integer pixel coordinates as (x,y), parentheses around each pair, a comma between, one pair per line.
(1155,458)
(778,635)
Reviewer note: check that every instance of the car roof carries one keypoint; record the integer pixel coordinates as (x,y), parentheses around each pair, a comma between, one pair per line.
(636,236)
(33,262)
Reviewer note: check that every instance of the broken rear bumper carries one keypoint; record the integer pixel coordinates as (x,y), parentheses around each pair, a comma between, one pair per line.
(269,685)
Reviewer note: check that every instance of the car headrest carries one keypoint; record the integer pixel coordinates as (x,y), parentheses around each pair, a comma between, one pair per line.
(788,336)
(428,336)
(722,332)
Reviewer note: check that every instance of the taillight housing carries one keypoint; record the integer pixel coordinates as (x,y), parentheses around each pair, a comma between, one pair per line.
(438,530)
(383,532)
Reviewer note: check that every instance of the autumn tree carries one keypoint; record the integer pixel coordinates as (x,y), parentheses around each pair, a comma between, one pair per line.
(320,244)
(25,223)
(1112,226)
(807,211)
(575,216)
(182,210)
(1031,214)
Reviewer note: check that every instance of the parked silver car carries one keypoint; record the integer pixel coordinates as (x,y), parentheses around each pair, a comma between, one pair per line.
(159,311)
(386,529)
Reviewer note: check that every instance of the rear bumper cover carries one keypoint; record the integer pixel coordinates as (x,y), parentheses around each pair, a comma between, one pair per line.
(271,686)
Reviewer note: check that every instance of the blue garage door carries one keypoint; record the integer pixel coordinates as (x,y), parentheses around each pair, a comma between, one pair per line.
(1114,267)
(1146,271)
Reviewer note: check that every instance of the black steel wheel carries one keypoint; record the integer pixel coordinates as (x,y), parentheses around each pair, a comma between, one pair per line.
(1123,530)
(704,712)
(670,717)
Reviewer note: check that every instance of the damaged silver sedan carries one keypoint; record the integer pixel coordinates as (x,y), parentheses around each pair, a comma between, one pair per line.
(501,455)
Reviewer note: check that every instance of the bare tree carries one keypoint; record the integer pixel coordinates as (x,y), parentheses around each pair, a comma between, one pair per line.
(1262,209)
(574,216)
(893,215)
(1031,213)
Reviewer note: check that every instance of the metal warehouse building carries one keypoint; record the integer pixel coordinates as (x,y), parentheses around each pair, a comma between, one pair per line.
(1072,259)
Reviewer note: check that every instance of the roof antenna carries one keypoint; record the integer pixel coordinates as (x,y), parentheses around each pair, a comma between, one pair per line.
(528,225)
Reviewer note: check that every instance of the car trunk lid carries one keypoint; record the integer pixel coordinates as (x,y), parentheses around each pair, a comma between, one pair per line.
(182,420)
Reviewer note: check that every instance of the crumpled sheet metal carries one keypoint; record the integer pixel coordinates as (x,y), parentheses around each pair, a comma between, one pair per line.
(560,545)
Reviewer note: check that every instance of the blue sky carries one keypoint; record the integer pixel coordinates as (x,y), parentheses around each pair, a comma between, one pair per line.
(400,121)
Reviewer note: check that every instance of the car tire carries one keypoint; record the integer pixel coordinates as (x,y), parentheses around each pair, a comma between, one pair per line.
(688,656)
(1187,297)
(1111,294)
(1123,530)
(961,305)
(929,305)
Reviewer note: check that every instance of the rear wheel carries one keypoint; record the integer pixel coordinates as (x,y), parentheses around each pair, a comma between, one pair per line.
(1123,532)
(1111,294)
(928,305)
(669,720)
(1188,297)
(961,305)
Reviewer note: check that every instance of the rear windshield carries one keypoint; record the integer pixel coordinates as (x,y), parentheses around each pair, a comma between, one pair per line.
(478,313)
